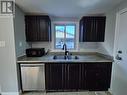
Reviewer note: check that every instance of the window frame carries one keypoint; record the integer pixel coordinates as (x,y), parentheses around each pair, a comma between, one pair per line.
(65,24)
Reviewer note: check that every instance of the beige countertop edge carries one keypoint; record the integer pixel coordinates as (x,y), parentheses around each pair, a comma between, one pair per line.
(44,62)
(105,58)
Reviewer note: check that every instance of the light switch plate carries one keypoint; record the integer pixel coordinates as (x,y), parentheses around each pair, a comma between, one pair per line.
(20,44)
(2,43)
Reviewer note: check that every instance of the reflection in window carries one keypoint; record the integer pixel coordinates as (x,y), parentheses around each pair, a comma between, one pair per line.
(65,34)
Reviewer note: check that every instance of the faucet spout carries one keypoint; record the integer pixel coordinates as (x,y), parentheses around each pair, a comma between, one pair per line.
(65,48)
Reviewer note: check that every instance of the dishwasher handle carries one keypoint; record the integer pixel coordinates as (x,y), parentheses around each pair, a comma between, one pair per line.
(32,65)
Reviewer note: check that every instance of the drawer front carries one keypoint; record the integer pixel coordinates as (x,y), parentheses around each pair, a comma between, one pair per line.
(97,65)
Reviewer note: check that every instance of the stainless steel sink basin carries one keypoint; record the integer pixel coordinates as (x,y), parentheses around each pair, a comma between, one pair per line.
(63,57)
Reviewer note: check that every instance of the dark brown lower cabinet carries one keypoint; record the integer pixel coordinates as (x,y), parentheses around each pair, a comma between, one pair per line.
(73,75)
(98,76)
(78,76)
(54,77)
(62,76)
(96,80)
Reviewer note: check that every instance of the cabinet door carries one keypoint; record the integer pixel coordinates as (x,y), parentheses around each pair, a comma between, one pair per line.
(83,77)
(31,28)
(45,31)
(88,31)
(96,80)
(38,28)
(98,76)
(92,29)
(101,21)
(73,75)
(54,77)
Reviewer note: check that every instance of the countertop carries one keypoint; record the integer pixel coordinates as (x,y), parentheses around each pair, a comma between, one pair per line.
(83,57)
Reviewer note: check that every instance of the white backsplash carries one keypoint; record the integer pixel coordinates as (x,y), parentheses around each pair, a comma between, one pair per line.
(46,45)
(83,46)
(88,46)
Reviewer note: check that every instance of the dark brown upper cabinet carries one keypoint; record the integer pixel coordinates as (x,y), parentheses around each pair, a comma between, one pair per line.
(38,28)
(92,29)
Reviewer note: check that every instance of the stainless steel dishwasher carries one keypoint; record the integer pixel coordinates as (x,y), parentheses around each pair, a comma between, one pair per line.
(33,77)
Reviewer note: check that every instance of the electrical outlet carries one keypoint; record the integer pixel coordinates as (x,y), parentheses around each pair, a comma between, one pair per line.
(2,43)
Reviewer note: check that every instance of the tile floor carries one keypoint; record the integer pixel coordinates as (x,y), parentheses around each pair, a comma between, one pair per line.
(67,93)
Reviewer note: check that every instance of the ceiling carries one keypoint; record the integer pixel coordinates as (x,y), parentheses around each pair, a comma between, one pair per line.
(67,8)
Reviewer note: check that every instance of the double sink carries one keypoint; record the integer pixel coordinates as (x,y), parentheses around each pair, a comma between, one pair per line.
(65,57)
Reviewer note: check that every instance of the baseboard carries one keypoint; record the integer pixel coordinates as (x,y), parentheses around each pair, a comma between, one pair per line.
(110,91)
(10,93)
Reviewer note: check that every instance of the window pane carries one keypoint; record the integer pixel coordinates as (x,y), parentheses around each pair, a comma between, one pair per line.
(70,36)
(70,43)
(59,36)
(65,34)
(70,31)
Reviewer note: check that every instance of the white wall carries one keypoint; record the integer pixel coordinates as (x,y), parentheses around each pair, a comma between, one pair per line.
(19,30)
(46,45)
(88,46)
(8,71)
(11,28)
(107,47)
(20,39)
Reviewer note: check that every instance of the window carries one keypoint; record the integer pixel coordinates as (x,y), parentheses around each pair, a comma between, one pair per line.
(65,34)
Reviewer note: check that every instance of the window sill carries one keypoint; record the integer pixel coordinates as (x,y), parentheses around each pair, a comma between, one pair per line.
(56,50)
